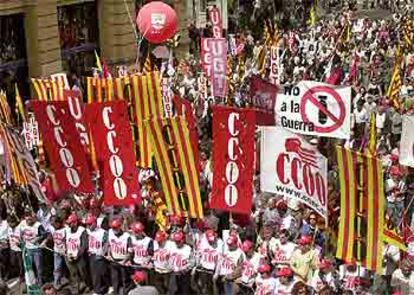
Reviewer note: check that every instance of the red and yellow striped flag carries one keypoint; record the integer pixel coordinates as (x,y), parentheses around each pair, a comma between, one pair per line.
(394,88)
(147,103)
(147,65)
(393,238)
(372,137)
(361,224)
(100,89)
(19,104)
(176,163)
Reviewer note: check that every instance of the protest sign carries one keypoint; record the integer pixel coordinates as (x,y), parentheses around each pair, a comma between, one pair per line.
(315,108)
(407,142)
(291,167)
(62,142)
(114,148)
(214,60)
(233,155)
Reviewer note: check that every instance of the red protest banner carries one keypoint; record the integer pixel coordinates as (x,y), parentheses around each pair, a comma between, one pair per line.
(263,94)
(214,60)
(62,143)
(114,148)
(215,18)
(233,156)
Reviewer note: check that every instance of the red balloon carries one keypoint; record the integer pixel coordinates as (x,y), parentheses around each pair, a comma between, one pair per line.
(157,22)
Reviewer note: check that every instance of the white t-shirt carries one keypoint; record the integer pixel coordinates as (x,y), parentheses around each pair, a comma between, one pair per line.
(266,286)
(282,289)
(349,278)
(4,230)
(180,258)
(282,252)
(249,268)
(404,284)
(161,257)
(228,261)
(208,255)
(14,238)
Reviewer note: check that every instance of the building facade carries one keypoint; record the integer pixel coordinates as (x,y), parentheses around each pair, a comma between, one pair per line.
(42,37)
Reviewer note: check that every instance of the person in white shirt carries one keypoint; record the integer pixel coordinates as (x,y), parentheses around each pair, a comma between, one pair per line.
(250,266)
(282,249)
(33,234)
(142,246)
(209,249)
(4,249)
(325,277)
(350,275)
(181,261)
(285,281)
(76,247)
(120,258)
(229,265)
(15,257)
(265,283)
(402,279)
(160,260)
(97,249)
(58,231)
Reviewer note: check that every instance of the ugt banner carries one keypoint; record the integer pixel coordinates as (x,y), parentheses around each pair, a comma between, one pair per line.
(314,108)
(290,166)
(407,142)
(112,138)
(215,18)
(233,157)
(214,59)
(63,146)
(263,94)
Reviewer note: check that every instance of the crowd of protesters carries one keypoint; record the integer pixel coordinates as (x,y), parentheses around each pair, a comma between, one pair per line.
(79,246)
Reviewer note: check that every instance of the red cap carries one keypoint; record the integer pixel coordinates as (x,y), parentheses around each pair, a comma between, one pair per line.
(247,246)
(160,236)
(281,204)
(139,276)
(177,220)
(395,170)
(264,268)
(324,264)
(232,240)
(178,236)
(211,235)
(305,240)
(285,272)
(90,219)
(137,227)
(116,223)
(73,218)
(394,157)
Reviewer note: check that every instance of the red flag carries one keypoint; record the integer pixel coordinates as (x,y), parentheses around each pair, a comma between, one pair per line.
(233,154)
(114,148)
(335,76)
(62,143)
(263,94)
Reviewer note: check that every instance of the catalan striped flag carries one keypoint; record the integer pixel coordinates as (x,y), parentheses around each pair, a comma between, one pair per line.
(99,89)
(408,34)
(5,114)
(372,136)
(394,88)
(361,223)
(392,237)
(176,165)
(147,64)
(147,103)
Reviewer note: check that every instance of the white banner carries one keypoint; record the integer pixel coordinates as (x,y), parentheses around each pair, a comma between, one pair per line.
(315,108)
(291,167)
(407,142)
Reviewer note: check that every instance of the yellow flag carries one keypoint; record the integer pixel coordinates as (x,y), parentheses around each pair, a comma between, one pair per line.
(98,62)
(372,141)
(312,16)
(19,104)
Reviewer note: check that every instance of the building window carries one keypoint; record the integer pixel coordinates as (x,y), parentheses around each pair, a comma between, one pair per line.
(79,37)
(13,58)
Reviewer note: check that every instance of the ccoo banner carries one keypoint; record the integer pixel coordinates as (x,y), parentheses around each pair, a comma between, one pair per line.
(112,138)
(233,157)
(290,166)
(62,142)
(407,142)
(214,60)
(315,108)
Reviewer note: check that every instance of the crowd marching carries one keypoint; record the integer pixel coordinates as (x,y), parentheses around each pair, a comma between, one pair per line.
(74,244)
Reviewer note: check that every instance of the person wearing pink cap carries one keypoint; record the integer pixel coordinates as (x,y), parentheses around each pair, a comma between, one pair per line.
(209,250)
(97,250)
(142,246)
(229,266)
(76,247)
(59,249)
(285,280)
(120,258)
(325,277)
(139,278)
(304,260)
(161,261)
(249,267)
(265,283)
(181,262)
